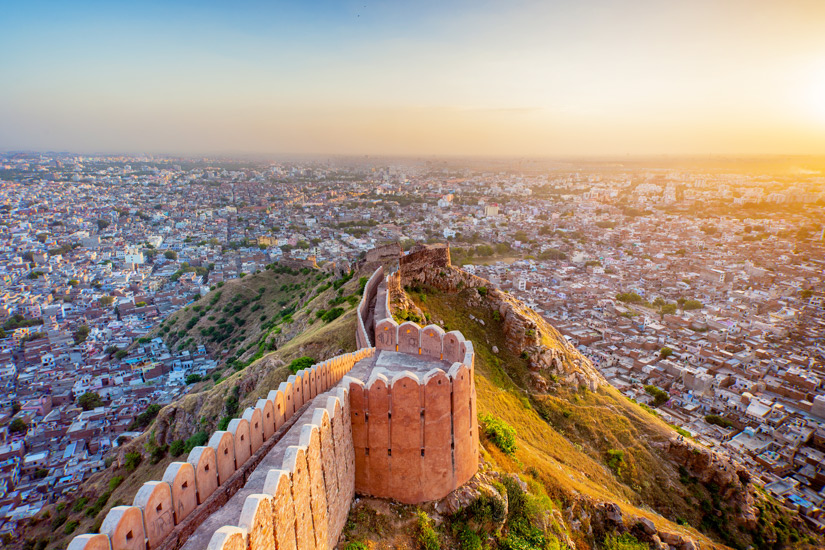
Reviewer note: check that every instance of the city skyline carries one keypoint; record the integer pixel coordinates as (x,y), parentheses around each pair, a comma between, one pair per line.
(531,79)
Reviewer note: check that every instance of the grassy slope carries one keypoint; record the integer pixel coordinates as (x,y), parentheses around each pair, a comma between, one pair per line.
(564,437)
(201,409)
(566,454)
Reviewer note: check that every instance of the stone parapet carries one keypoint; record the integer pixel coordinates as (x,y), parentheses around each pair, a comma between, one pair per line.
(161,510)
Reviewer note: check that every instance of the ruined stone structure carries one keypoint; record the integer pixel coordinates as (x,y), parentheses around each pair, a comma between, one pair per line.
(397,420)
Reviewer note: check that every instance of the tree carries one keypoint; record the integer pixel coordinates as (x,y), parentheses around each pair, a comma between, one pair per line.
(18,426)
(170,255)
(665,352)
(89,400)
(81,334)
(659,396)
(668,309)
(102,224)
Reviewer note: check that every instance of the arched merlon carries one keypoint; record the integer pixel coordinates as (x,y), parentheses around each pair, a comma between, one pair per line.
(165,509)
(415,440)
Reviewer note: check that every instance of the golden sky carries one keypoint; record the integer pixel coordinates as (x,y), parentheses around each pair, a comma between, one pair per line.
(416,78)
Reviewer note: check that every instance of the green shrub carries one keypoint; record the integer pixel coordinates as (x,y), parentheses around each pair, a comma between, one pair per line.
(623,542)
(718,420)
(300,363)
(177,447)
(659,396)
(332,314)
(198,439)
(615,460)
(500,433)
(487,509)
(468,539)
(115,482)
(70,527)
(356,546)
(482,290)
(79,504)
(132,460)
(427,537)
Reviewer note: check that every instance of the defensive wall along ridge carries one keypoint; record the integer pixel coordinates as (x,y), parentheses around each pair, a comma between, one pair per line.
(397,420)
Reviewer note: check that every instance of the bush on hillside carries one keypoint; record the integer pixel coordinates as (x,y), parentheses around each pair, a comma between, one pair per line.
(300,363)
(500,433)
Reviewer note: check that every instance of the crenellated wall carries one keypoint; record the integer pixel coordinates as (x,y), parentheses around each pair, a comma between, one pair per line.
(362,338)
(163,513)
(305,503)
(397,420)
(416,435)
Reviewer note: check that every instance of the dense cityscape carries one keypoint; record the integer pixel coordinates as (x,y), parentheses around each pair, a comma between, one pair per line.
(696,292)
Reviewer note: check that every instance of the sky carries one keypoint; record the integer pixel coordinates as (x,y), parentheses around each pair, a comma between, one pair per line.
(476,78)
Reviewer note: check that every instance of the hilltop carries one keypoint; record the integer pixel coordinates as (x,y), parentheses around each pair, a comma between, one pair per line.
(563,452)
(594,463)
(291,322)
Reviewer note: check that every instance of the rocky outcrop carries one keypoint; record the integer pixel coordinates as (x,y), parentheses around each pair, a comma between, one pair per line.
(711,468)
(551,356)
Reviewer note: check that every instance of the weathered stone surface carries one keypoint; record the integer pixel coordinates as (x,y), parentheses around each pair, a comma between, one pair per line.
(155,499)
(711,467)
(228,538)
(647,526)
(124,527)
(203,459)
(278,407)
(466,451)
(438,455)
(432,341)
(321,419)
(311,439)
(239,428)
(256,428)
(285,389)
(406,439)
(90,542)
(181,478)
(452,346)
(378,436)
(295,462)
(256,518)
(267,409)
(339,435)
(224,445)
(386,334)
(278,485)
(409,340)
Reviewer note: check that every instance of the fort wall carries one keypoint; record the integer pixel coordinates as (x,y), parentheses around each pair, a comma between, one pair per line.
(291,465)
(362,338)
(416,436)
(164,513)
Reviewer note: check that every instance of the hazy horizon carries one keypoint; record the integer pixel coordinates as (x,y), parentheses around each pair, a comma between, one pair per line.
(457,79)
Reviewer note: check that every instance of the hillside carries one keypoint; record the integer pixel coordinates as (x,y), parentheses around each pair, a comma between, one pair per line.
(596,465)
(287,322)
(567,460)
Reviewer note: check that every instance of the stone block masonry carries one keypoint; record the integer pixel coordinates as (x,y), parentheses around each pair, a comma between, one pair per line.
(395,421)
(164,513)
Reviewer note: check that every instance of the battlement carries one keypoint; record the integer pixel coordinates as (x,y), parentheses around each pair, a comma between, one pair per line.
(165,513)
(397,420)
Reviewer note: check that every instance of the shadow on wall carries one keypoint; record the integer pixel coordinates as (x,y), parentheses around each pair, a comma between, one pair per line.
(416,439)
(160,506)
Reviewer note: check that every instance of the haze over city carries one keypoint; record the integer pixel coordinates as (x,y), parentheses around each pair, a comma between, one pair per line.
(417,78)
(461,275)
